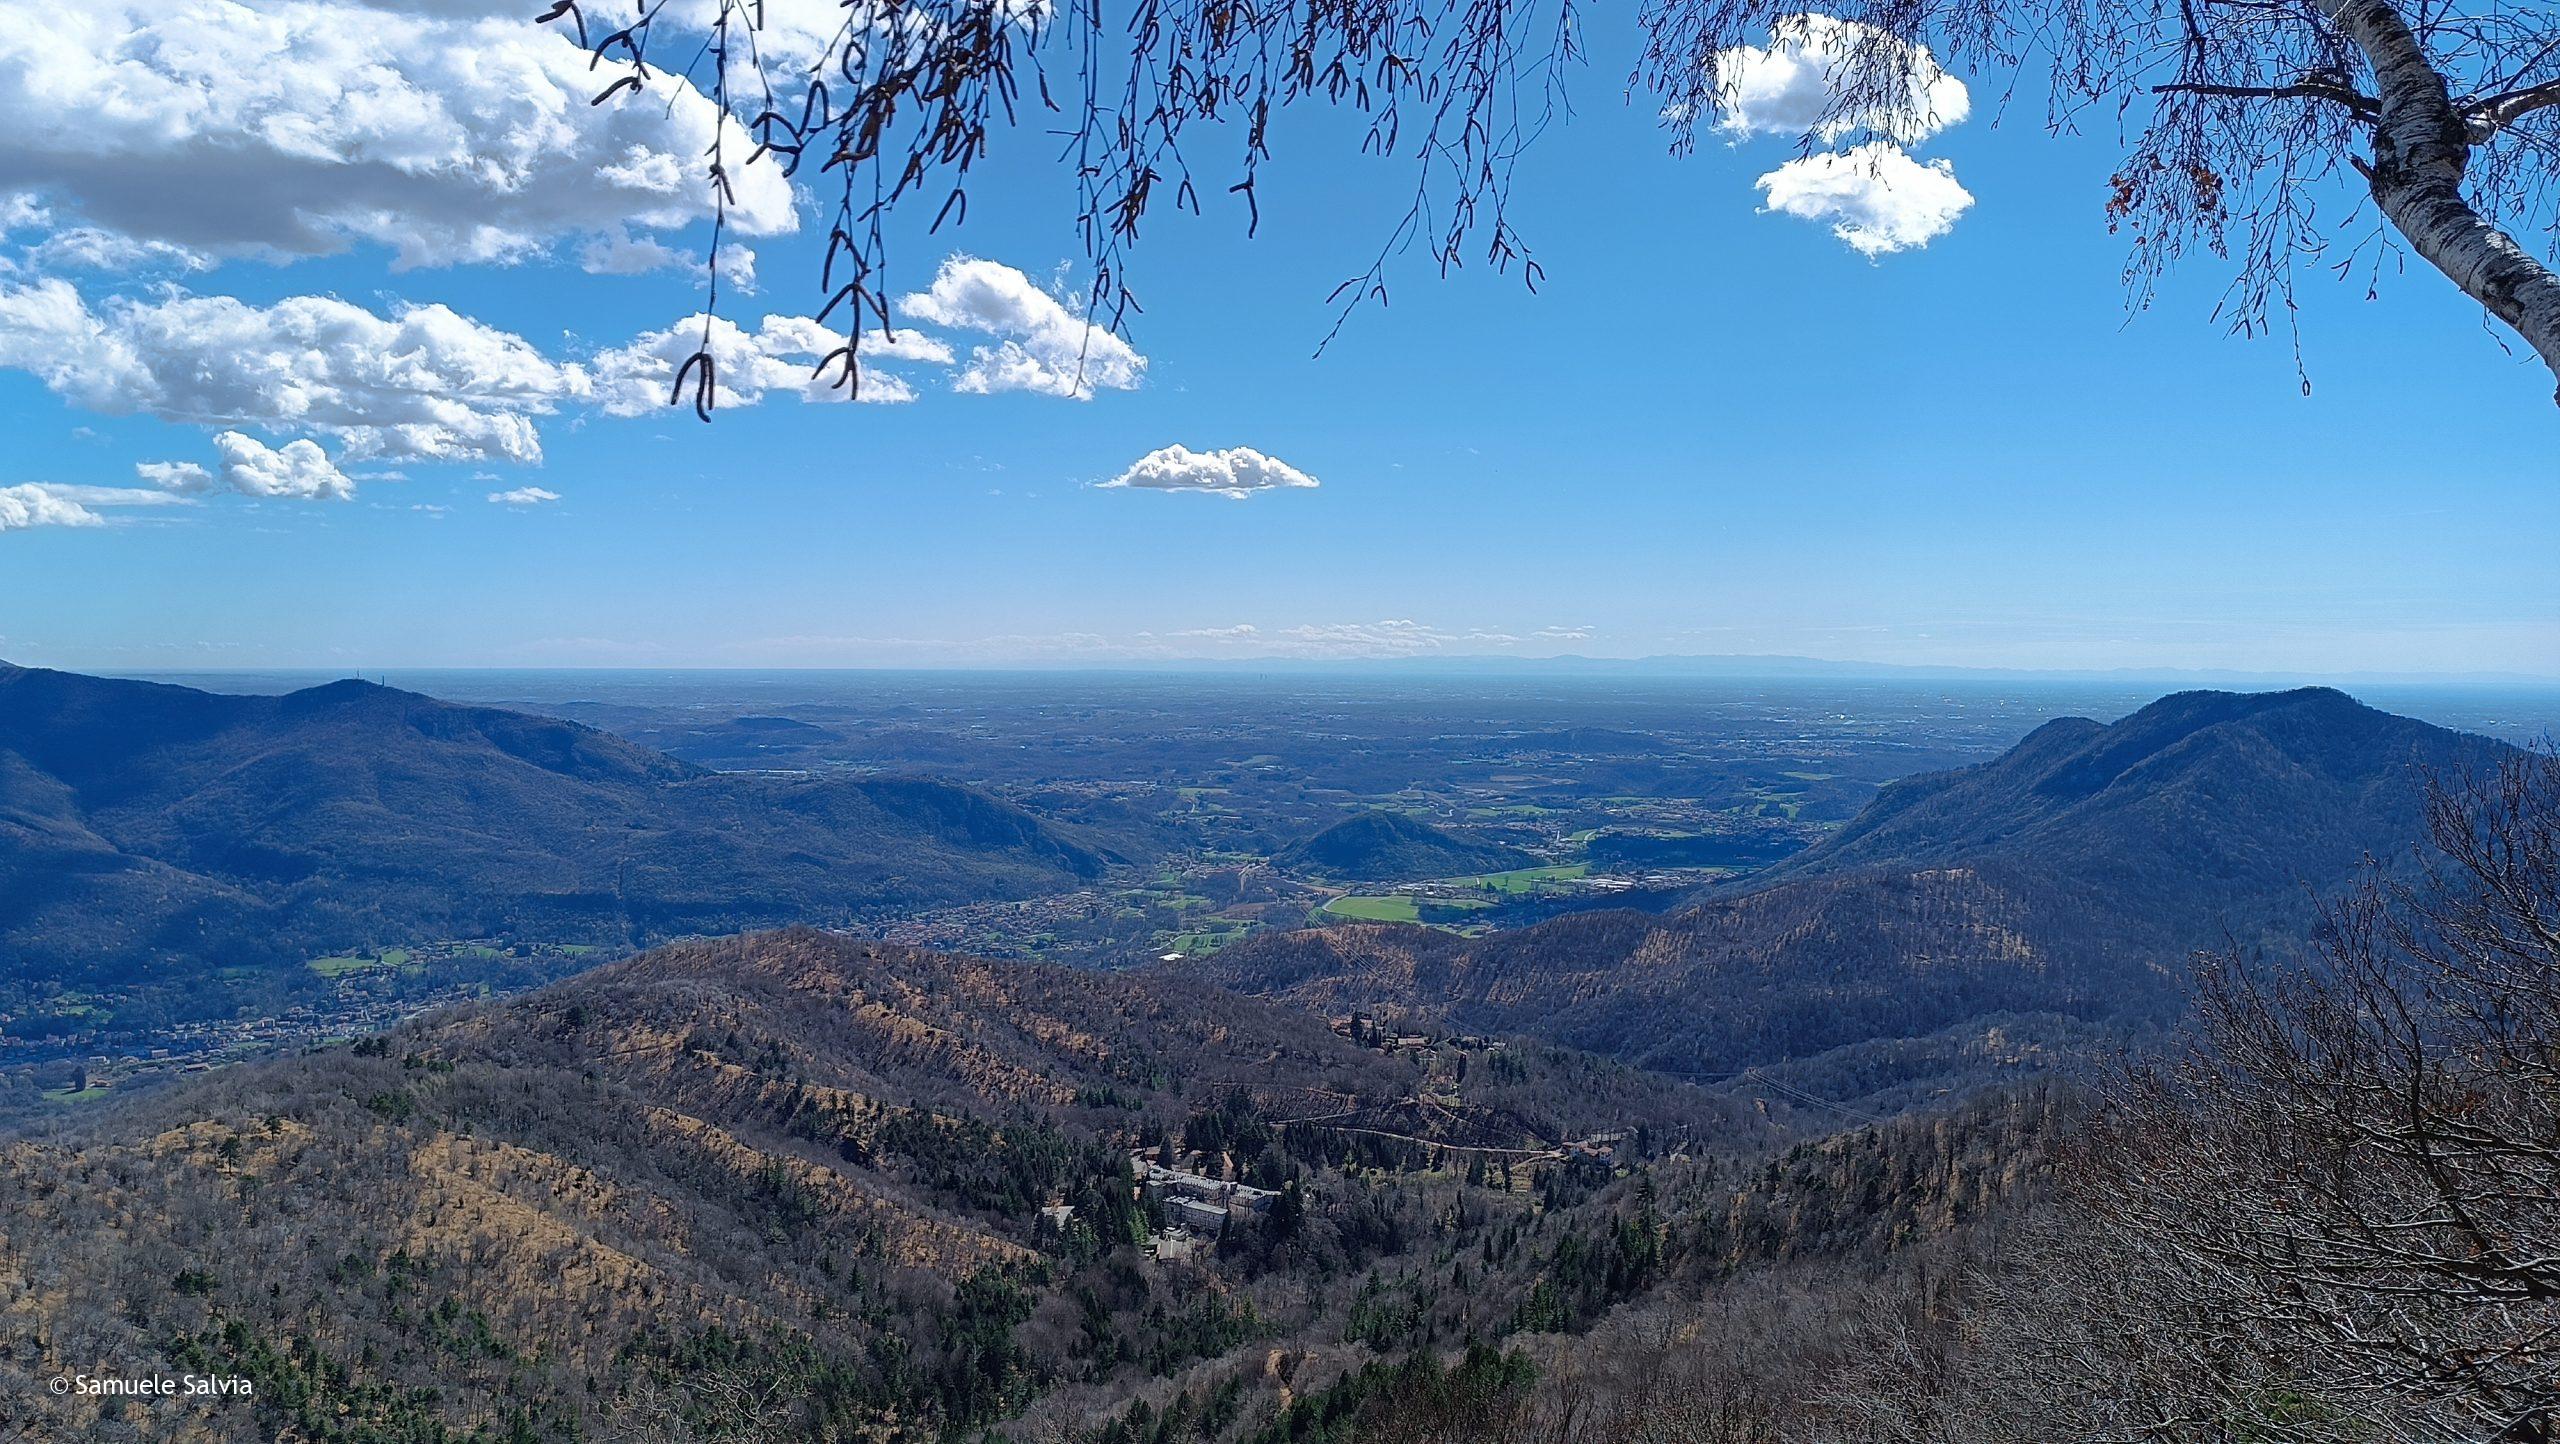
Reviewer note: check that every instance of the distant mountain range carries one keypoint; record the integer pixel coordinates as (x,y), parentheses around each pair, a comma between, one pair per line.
(1740,666)
(2067,881)
(153,833)
(1783,666)
(1775,666)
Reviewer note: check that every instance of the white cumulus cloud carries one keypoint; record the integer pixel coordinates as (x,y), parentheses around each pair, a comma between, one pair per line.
(300,469)
(22,507)
(781,356)
(524,496)
(1805,82)
(448,132)
(425,383)
(1236,471)
(53,503)
(1042,345)
(1873,196)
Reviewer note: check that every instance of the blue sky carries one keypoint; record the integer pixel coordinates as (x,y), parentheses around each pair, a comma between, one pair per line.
(1712,430)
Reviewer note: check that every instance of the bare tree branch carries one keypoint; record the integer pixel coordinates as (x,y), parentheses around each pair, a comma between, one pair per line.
(2258,127)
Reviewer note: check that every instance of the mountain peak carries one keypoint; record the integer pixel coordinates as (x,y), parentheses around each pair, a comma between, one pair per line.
(2178,778)
(346,692)
(2208,706)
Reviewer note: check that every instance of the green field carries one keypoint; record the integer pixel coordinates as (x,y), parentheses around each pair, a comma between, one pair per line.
(1400,908)
(340,967)
(1397,908)
(1207,940)
(1524,879)
(90,1094)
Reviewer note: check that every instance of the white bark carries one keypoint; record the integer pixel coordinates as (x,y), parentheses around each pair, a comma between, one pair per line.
(2421,145)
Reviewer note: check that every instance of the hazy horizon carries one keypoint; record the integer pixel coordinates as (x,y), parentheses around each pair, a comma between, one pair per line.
(1701,666)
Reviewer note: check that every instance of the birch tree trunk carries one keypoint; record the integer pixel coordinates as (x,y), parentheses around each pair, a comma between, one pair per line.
(2421,145)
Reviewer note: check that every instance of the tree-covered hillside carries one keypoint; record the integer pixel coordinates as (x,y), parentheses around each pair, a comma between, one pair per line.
(854,1187)
(1380,846)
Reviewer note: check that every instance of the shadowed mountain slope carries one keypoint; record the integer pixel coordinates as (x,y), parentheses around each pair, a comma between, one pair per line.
(148,831)
(2202,797)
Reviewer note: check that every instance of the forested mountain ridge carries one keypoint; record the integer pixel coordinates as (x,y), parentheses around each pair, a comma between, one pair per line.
(2202,800)
(1382,846)
(793,1167)
(148,831)
(1962,917)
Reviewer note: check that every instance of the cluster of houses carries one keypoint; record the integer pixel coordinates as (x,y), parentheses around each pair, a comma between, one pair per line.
(1191,1210)
(1193,1206)
(1373,1031)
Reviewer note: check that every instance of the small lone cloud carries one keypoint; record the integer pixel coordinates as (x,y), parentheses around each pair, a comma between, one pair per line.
(524,496)
(1237,472)
(298,469)
(1875,196)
